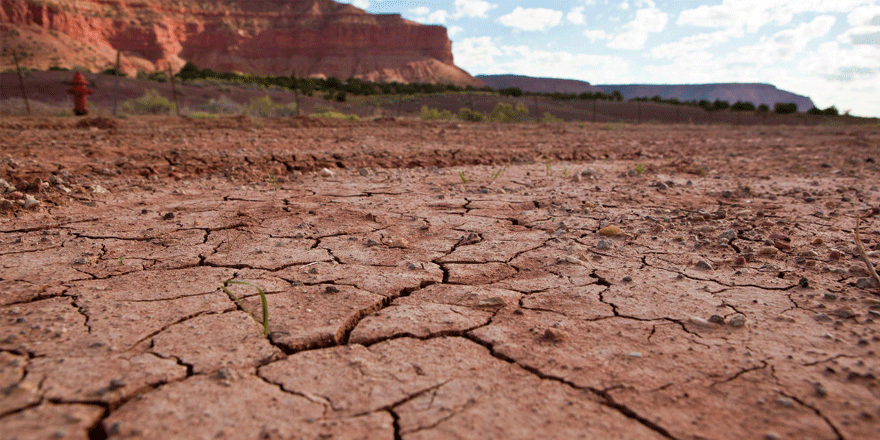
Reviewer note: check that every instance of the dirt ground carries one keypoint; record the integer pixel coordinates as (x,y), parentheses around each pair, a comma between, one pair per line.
(437,280)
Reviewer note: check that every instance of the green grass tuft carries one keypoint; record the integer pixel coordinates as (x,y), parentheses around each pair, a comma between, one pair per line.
(240,304)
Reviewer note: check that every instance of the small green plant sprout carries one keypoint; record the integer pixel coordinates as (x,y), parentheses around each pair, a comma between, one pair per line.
(461,176)
(274,182)
(565,172)
(640,168)
(547,164)
(240,304)
(498,173)
(119,261)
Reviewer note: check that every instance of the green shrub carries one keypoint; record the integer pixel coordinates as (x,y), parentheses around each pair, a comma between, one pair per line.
(332,114)
(202,115)
(221,106)
(505,113)
(151,103)
(433,114)
(785,109)
(763,108)
(468,115)
(548,118)
(742,106)
(264,107)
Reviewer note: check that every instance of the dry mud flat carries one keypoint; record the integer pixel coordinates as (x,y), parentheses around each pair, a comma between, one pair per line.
(440,281)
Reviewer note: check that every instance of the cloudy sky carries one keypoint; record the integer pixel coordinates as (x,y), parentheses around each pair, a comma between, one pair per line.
(828,50)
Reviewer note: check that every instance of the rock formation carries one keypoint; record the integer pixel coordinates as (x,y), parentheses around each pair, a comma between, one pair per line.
(270,37)
(731,92)
(538,85)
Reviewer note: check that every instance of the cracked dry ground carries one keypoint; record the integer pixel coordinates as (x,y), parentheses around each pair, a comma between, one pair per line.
(407,304)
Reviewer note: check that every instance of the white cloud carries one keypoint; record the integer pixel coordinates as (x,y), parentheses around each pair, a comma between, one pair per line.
(363,4)
(635,33)
(751,15)
(453,30)
(624,6)
(786,44)
(480,55)
(596,35)
(693,43)
(533,19)
(576,15)
(472,8)
(423,14)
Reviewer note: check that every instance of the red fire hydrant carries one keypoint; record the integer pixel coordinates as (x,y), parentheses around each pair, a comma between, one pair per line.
(79,92)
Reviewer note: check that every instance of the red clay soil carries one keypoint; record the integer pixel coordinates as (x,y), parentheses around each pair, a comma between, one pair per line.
(436,280)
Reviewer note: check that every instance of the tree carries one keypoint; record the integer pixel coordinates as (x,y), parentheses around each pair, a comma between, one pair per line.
(616,96)
(763,108)
(741,106)
(785,108)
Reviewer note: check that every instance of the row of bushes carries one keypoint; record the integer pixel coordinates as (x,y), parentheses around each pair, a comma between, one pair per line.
(501,113)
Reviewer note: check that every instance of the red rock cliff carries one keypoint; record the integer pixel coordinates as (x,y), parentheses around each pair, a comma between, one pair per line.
(274,37)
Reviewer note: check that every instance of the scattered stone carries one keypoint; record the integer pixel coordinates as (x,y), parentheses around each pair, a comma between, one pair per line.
(821,317)
(331,289)
(326,173)
(363,172)
(627,279)
(804,282)
(770,435)
(820,390)
(785,401)
(728,235)
(703,264)
(554,335)
(604,245)
(610,231)
(844,313)
(98,189)
(168,216)
(716,319)
(768,250)
(866,283)
(15,195)
(31,203)
(5,187)
(6,205)
(737,320)
(858,270)
(829,296)
(834,255)
(739,260)
(782,245)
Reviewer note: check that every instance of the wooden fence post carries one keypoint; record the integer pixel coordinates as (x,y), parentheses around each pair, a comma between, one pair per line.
(21,83)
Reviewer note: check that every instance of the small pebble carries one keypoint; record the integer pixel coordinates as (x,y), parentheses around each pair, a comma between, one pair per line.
(820,389)
(821,317)
(627,279)
(702,264)
(737,320)
(331,289)
(326,173)
(844,313)
(768,250)
(604,245)
(804,282)
(834,255)
(866,283)
(728,235)
(609,231)
(716,319)
(554,335)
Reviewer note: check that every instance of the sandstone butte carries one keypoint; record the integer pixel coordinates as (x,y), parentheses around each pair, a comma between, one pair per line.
(319,38)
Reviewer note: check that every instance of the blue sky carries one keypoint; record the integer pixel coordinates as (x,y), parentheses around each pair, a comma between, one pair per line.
(828,50)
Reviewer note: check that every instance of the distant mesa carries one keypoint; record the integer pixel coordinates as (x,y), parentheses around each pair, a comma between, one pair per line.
(319,38)
(731,92)
(538,85)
